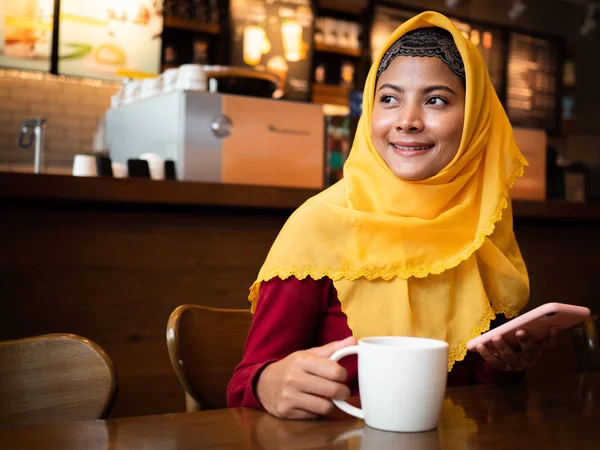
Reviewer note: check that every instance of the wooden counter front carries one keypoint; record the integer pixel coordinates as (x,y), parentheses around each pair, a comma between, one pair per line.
(111,259)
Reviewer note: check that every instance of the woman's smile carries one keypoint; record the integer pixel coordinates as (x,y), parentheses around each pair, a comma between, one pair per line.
(411,149)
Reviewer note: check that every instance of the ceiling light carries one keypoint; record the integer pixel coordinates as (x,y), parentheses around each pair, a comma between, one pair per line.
(590,23)
(452,3)
(517,9)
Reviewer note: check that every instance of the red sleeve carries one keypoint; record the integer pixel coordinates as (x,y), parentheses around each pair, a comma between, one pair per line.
(286,319)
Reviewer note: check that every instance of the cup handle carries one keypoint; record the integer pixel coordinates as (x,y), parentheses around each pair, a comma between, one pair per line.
(345,406)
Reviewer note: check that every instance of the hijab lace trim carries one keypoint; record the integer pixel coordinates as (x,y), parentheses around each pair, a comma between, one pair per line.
(317,273)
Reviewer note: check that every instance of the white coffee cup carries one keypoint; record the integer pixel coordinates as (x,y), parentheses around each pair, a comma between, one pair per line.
(191,77)
(169,80)
(115,100)
(402,382)
(131,92)
(150,87)
(84,166)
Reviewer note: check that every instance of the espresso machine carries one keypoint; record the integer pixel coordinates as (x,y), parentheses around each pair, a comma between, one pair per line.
(224,138)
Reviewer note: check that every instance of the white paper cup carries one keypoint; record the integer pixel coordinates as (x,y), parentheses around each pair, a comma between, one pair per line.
(119,170)
(84,166)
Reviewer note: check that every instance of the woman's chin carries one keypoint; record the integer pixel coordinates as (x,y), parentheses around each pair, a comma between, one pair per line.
(410,175)
(413,171)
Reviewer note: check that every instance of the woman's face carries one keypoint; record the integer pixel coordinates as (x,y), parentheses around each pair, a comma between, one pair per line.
(418,116)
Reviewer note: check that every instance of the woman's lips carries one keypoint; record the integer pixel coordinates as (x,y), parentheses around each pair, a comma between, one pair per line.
(411,148)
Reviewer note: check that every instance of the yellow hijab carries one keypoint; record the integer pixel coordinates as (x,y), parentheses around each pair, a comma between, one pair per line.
(434,258)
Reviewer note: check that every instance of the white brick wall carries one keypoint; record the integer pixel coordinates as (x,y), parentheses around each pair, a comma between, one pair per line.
(72,107)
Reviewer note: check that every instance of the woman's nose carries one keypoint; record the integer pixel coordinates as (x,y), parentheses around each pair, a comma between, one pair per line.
(410,120)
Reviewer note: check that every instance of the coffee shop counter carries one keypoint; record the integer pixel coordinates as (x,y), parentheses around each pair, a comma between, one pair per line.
(110,259)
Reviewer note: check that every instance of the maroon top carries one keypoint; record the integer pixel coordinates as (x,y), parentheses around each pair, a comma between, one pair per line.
(293,315)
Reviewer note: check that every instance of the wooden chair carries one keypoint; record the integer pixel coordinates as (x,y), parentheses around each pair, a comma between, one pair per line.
(587,345)
(205,344)
(54,378)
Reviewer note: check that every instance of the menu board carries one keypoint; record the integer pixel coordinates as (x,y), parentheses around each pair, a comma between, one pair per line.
(489,42)
(26,34)
(110,39)
(487,39)
(275,35)
(532,93)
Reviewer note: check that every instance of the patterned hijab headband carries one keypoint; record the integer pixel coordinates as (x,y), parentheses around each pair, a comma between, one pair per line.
(426,42)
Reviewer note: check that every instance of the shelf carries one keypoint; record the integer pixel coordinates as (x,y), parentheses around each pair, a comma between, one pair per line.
(169,66)
(193,25)
(330,94)
(320,47)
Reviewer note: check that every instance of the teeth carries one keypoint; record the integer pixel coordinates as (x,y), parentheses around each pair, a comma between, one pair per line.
(410,148)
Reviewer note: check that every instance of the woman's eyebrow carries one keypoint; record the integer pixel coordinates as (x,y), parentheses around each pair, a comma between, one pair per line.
(426,90)
(392,86)
(439,87)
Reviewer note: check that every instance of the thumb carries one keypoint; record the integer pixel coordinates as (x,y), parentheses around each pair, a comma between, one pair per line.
(329,349)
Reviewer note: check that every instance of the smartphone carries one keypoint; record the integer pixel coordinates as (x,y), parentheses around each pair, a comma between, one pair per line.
(536,322)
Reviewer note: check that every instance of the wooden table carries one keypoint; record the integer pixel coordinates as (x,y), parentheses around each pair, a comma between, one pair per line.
(562,413)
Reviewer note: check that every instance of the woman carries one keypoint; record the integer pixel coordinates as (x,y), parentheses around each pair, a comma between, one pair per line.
(415,240)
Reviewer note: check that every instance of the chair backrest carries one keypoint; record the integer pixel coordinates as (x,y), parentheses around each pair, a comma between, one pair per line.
(54,378)
(205,344)
(587,345)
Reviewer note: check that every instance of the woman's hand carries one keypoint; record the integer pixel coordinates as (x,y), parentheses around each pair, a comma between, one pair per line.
(509,360)
(302,385)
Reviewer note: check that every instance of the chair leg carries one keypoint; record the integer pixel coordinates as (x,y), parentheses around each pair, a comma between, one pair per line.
(592,345)
(191,404)
(580,348)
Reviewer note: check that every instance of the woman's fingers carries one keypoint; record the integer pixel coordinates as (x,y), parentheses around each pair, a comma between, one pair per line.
(530,351)
(321,367)
(312,405)
(509,359)
(494,361)
(550,341)
(507,354)
(313,385)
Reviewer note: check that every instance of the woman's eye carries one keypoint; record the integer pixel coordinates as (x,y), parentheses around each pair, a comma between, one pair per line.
(387,99)
(436,101)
